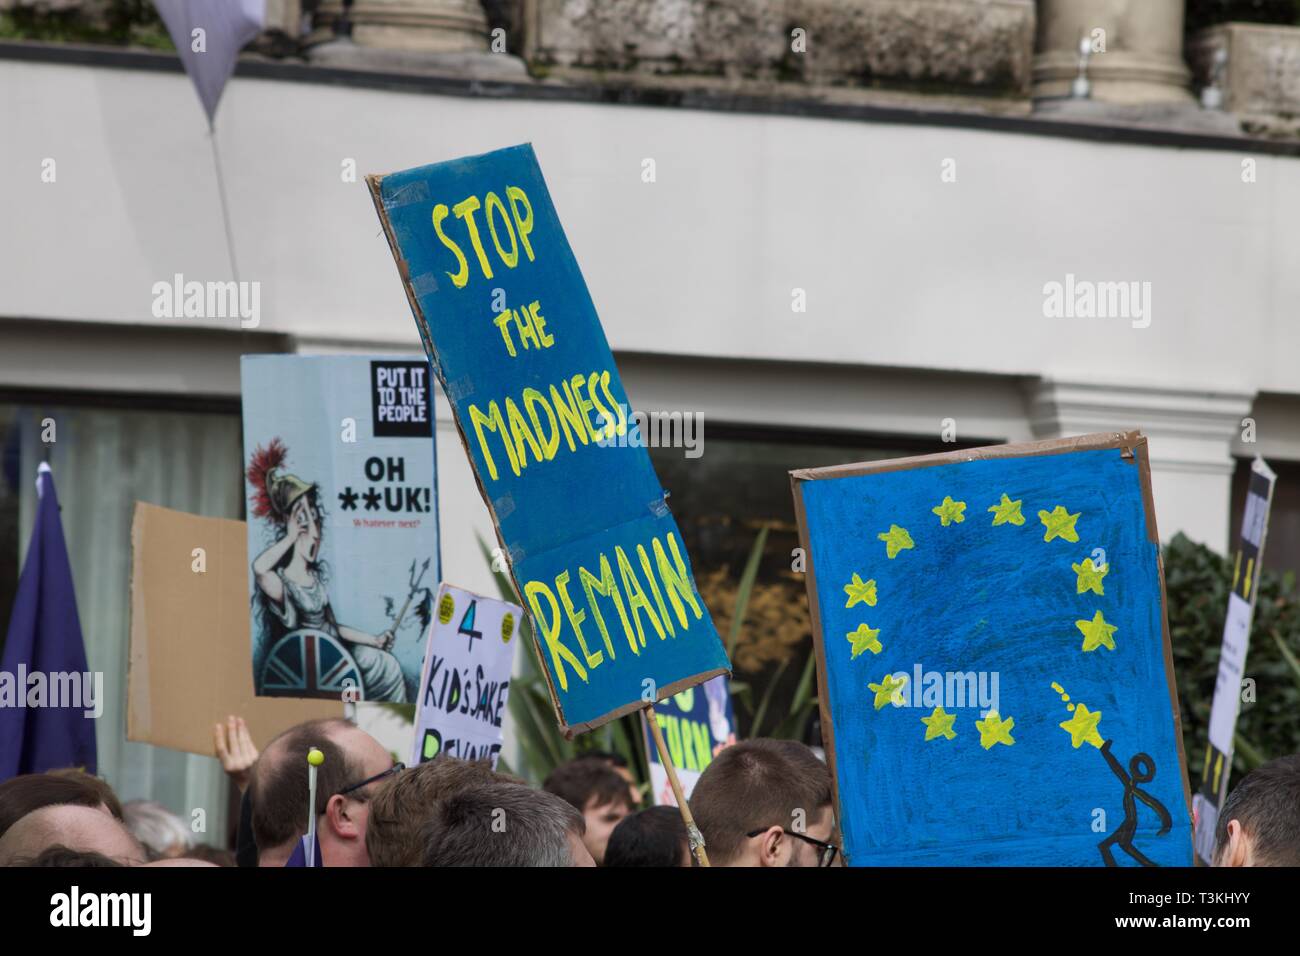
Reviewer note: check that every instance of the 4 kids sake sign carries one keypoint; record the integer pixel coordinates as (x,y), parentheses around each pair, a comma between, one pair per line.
(466,677)
(514,338)
(342,523)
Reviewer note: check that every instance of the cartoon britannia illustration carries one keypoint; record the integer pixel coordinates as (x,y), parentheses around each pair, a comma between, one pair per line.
(306,652)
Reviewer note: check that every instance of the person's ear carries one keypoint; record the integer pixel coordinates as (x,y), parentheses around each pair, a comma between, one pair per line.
(1237,852)
(773,847)
(339,818)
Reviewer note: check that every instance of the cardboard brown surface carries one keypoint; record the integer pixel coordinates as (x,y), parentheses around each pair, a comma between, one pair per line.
(190,663)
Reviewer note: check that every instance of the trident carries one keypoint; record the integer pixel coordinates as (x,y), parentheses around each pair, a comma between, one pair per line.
(415,586)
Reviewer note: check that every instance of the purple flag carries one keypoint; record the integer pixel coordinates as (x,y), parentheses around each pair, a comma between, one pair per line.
(209,35)
(299,855)
(44,660)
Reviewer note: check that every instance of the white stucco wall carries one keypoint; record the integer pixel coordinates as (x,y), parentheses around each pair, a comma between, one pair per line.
(902,271)
(900,268)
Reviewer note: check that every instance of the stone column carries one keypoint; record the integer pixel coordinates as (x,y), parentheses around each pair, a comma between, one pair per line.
(1143,58)
(446,37)
(1190,438)
(430,26)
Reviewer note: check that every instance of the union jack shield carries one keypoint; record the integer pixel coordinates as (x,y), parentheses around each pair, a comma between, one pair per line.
(311,663)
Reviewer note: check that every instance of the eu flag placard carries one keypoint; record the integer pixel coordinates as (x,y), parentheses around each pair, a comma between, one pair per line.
(993,654)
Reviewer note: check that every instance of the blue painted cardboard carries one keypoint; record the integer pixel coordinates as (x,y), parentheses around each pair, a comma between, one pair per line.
(992,612)
(514,338)
(697,725)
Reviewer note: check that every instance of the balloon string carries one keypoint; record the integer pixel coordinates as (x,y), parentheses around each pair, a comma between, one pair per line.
(225,206)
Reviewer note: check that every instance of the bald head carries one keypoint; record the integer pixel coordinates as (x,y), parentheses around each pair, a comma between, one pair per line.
(278,784)
(77,828)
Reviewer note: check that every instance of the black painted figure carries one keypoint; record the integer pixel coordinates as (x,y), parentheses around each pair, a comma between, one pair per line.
(1141,769)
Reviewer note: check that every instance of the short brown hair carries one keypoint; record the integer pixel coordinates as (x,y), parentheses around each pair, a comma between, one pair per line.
(401,805)
(19,796)
(586,779)
(1266,803)
(278,786)
(495,823)
(62,856)
(753,785)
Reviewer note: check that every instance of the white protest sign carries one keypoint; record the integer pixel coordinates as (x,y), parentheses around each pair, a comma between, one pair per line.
(466,676)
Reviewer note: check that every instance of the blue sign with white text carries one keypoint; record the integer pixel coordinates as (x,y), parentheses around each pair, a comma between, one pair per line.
(513,336)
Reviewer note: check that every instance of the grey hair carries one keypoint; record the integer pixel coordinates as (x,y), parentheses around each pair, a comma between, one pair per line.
(500,824)
(155,826)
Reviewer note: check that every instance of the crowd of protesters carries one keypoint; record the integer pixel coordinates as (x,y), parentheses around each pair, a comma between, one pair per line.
(759,803)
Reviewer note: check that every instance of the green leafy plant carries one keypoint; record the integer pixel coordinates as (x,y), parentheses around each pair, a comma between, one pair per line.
(109,22)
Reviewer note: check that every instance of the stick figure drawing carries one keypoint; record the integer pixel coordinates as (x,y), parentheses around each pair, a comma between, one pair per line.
(1141,769)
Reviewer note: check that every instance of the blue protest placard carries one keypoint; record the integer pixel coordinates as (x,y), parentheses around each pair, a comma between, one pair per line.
(342,523)
(997,687)
(514,338)
(697,724)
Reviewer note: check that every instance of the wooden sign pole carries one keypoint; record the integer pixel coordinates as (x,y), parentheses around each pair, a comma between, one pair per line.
(692,831)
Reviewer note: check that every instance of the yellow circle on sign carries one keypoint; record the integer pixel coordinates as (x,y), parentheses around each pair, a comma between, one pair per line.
(507,627)
(446,608)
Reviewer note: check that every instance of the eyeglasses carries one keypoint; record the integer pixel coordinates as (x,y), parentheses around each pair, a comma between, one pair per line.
(395,768)
(829,851)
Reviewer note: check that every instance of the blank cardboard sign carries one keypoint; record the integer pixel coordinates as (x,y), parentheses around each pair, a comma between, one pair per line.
(189,636)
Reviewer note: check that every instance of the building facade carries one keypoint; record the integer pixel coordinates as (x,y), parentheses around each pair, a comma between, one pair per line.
(829,256)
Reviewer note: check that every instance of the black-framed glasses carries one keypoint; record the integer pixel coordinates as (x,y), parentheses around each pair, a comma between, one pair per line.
(829,851)
(395,768)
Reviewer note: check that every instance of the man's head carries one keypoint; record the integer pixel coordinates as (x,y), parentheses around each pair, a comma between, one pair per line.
(618,763)
(497,823)
(59,856)
(594,789)
(278,791)
(1259,823)
(19,796)
(402,804)
(761,802)
(74,828)
(652,837)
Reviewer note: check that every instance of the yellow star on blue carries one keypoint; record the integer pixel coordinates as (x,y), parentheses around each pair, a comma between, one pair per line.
(1059,524)
(888,690)
(1082,727)
(1097,633)
(939,724)
(860,592)
(1089,576)
(896,539)
(950,511)
(864,639)
(994,730)
(1007,511)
